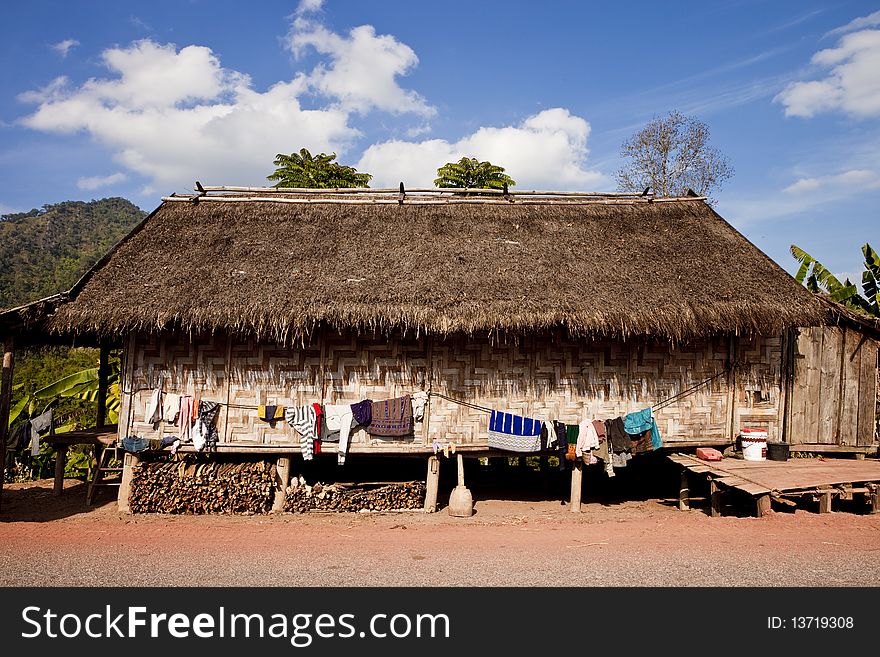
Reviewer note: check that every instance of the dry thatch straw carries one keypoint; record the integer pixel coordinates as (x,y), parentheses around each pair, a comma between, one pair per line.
(673,269)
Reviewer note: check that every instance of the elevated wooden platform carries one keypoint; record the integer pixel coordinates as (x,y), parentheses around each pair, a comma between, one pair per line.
(99,437)
(821,478)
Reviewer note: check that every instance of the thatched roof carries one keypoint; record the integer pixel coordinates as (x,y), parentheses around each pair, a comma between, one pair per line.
(669,268)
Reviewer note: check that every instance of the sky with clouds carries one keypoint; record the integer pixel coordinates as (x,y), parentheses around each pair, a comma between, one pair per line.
(107,98)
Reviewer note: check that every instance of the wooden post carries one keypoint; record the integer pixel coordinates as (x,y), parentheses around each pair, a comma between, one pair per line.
(103,377)
(714,499)
(282,474)
(577,474)
(873,497)
(128,463)
(825,501)
(60,463)
(684,493)
(763,505)
(5,402)
(433,483)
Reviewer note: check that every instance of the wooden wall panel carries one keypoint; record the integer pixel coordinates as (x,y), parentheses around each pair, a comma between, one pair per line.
(851,362)
(867,419)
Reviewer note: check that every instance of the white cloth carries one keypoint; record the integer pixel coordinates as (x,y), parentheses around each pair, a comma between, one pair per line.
(419,400)
(154,407)
(587,438)
(171,408)
(38,425)
(338,417)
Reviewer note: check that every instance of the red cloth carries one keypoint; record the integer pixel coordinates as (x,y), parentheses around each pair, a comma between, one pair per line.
(319,415)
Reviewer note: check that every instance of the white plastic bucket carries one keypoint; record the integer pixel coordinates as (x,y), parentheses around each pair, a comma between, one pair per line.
(754,444)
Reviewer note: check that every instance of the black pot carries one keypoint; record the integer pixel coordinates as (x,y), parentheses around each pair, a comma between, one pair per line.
(777,451)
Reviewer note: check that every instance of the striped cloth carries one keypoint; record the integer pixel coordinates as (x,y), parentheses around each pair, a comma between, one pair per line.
(514,433)
(304,420)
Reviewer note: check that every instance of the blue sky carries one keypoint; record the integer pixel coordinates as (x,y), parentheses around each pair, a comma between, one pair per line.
(112,98)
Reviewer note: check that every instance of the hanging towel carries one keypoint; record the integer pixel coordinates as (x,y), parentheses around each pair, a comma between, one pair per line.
(154,407)
(339,419)
(303,418)
(206,426)
(270,414)
(419,400)
(184,419)
(392,418)
(639,422)
(514,433)
(171,408)
(39,424)
(362,412)
(587,438)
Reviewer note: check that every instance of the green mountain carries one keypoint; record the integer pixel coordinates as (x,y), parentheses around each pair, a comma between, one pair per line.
(45,251)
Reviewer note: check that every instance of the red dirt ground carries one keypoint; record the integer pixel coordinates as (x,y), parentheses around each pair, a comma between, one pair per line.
(46,540)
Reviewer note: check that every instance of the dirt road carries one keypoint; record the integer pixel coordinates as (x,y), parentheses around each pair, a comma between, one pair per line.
(60,541)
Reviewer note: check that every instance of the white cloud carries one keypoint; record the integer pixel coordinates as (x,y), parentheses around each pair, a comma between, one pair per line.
(802,196)
(7,209)
(64,47)
(363,69)
(309,6)
(857,24)
(852,179)
(176,115)
(95,182)
(852,84)
(548,150)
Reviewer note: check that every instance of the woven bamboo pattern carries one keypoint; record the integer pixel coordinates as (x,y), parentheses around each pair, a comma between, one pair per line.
(546,377)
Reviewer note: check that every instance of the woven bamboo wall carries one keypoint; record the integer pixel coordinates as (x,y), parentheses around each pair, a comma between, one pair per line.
(549,377)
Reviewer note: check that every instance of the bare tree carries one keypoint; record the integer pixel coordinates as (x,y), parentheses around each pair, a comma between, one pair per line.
(671,155)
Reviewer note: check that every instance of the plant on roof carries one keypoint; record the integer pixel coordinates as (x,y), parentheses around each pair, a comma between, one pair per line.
(818,279)
(672,155)
(305,170)
(470,173)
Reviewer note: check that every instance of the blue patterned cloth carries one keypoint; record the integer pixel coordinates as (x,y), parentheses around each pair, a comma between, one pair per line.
(514,433)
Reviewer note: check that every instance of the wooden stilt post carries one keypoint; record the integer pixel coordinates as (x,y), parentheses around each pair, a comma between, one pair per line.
(282,474)
(60,464)
(714,499)
(825,501)
(873,497)
(128,464)
(762,505)
(577,474)
(5,402)
(684,493)
(433,484)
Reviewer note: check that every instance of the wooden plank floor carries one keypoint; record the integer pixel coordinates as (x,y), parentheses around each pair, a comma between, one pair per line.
(757,477)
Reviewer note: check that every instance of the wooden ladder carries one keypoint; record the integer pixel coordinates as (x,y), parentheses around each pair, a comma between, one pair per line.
(102,468)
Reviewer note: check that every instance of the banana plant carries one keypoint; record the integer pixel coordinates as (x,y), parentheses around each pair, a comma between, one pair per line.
(80,385)
(817,278)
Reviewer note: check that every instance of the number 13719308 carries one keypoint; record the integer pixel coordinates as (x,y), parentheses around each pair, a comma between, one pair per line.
(810,623)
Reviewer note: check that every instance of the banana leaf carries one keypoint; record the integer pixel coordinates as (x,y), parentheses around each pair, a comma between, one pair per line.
(70,385)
